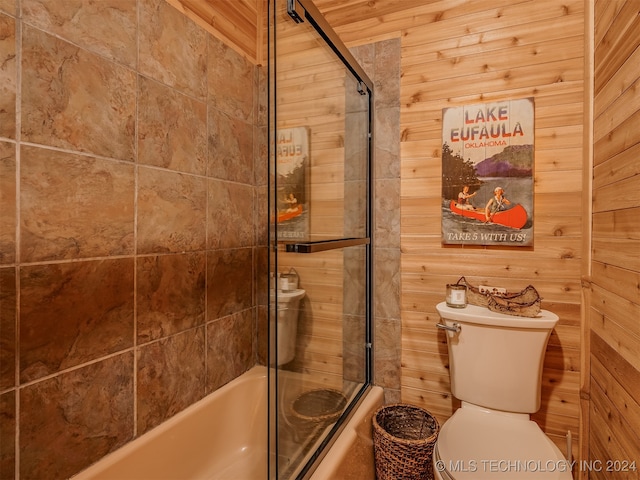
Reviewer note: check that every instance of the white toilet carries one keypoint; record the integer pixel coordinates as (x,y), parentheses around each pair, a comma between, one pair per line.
(496,370)
(288,303)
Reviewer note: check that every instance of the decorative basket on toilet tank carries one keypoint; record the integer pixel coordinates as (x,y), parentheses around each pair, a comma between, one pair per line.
(525,303)
(403,440)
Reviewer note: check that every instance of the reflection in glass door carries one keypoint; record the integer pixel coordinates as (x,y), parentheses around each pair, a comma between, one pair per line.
(320,235)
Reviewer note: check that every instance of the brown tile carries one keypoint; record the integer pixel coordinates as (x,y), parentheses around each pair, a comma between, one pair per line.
(70,421)
(354,291)
(73,313)
(392,395)
(365,55)
(261,216)
(170,295)
(173,49)
(387,353)
(172,129)
(356,143)
(387,153)
(8,6)
(229,282)
(387,72)
(171,211)
(229,348)
(261,163)
(231,80)
(7,328)
(230,148)
(387,106)
(74,206)
(107,27)
(387,211)
(8,435)
(262,335)
(353,358)
(74,99)
(8,78)
(261,97)
(171,376)
(387,280)
(355,208)
(261,281)
(230,217)
(7,202)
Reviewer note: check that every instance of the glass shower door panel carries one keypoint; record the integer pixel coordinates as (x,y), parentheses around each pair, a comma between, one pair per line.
(321,190)
(329,368)
(321,117)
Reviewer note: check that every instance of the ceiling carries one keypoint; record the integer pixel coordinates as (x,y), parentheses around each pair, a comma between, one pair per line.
(241,23)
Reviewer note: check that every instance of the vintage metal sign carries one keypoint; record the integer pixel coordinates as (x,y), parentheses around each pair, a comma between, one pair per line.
(487,173)
(292,163)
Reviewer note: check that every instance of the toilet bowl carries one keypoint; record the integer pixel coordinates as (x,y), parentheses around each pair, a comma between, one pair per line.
(477,443)
(496,370)
(288,305)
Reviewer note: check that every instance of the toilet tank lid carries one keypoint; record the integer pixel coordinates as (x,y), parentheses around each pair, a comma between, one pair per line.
(484,316)
(288,295)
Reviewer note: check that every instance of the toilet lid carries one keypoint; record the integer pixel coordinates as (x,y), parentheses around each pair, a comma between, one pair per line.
(479,444)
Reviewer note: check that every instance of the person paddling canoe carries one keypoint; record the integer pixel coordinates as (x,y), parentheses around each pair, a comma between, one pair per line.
(495,204)
(463,198)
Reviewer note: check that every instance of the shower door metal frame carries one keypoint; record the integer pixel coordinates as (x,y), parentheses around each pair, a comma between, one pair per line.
(301,11)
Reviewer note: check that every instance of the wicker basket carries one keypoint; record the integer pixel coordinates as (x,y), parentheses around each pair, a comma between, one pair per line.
(525,303)
(403,439)
(474,295)
(317,408)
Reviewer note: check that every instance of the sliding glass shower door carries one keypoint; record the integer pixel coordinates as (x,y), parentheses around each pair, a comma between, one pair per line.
(320,235)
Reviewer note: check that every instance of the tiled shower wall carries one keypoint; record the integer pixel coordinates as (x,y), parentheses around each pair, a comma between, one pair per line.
(128,233)
(381,61)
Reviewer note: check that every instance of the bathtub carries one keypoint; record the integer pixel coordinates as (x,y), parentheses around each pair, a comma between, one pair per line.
(351,455)
(224,437)
(221,437)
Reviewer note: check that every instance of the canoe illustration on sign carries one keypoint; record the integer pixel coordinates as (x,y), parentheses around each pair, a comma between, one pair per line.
(290,213)
(292,200)
(515,217)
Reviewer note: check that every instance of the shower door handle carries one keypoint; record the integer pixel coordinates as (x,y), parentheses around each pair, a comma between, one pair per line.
(324,245)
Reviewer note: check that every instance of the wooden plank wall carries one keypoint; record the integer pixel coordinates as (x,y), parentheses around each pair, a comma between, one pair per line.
(303,62)
(457,53)
(237,23)
(614,416)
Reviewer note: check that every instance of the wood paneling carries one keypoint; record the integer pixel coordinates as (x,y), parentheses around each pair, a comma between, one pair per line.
(614,416)
(237,23)
(461,52)
(457,53)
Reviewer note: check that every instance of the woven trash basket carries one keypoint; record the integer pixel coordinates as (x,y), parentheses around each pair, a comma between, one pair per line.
(317,408)
(403,440)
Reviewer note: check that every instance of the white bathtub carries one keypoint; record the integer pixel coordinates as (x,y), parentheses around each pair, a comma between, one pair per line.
(351,456)
(224,437)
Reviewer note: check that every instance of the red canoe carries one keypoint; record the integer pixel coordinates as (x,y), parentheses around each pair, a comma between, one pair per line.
(515,217)
(289,214)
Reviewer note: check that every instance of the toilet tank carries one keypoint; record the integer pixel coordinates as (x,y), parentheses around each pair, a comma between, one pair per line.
(495,360)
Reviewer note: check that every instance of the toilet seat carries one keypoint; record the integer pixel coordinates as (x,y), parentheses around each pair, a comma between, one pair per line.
(477,443)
